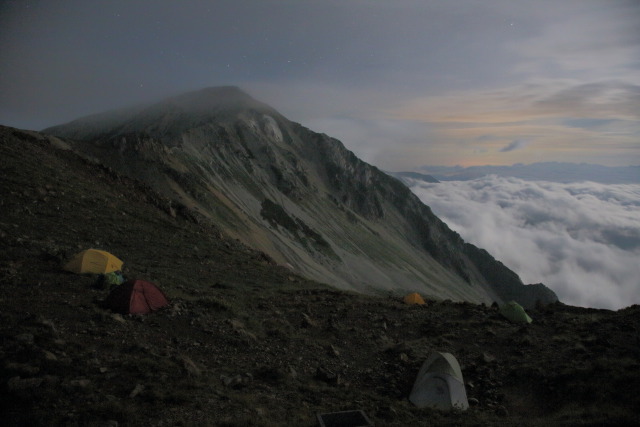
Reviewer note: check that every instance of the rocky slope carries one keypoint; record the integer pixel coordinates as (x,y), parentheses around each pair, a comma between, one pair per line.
(297,195)
(246,342)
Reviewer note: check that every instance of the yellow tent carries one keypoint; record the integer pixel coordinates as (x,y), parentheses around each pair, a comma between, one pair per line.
(413,298)
(93,261)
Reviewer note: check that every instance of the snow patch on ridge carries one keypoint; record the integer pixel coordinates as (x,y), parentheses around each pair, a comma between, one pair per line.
(272,128)
(268,127)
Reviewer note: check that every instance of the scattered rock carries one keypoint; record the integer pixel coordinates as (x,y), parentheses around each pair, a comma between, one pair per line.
(49,324)
(17,384)
(22,368)
(387,413)
(293,372)
(176,308)
(118,317)
(249,335)
(189,365)
(334,351)
(139,388)
(236,324)
(328,376)
(51,380)
(80,383)
(385,343)
(238,380)
(275,375)
(488,358)
(50,356)
(501,411)
(526,342)
(26,338)
(307,322)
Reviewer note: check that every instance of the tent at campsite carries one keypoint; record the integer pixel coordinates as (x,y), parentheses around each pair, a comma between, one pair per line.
(112,279)
(413,298)
(515,313)
(109,280)
(136,297)
(439,384)
(93,261)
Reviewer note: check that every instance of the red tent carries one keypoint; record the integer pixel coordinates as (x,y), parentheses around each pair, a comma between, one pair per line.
(136,297)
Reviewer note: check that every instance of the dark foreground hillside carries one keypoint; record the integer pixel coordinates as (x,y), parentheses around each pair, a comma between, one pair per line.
(246,342)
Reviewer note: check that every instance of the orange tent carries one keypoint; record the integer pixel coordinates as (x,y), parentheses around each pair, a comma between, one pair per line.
(413,298)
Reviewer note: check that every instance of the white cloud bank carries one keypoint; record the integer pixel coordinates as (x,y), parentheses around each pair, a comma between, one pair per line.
(580,239)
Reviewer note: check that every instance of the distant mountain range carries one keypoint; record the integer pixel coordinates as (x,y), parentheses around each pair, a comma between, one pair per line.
(299,196)
(544,171)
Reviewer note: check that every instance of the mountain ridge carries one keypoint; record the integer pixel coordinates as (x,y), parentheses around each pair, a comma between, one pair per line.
(297,195)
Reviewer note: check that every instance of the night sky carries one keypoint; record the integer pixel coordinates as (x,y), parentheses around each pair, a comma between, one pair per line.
(402,83)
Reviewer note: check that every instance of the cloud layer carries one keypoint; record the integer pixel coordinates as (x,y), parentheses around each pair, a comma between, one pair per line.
(580,239)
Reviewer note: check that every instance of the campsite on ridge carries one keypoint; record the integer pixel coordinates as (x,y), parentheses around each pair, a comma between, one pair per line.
(245,341)
(319,213)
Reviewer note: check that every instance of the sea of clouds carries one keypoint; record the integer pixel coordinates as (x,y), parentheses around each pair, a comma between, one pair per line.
(580,239)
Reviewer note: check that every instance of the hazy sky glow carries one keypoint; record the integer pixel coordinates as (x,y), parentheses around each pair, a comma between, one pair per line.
(402,83)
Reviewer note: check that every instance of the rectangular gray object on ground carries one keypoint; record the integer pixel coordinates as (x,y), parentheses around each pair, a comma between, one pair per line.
(344,419)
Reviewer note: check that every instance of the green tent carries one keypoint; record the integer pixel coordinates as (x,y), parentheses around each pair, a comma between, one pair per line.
(109,280)
(113,279)
(515,313)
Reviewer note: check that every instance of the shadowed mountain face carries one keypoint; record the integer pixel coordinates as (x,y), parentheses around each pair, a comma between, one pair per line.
(297,195)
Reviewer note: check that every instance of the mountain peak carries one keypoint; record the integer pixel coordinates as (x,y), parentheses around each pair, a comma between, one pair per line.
(299,196)
(200,105)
